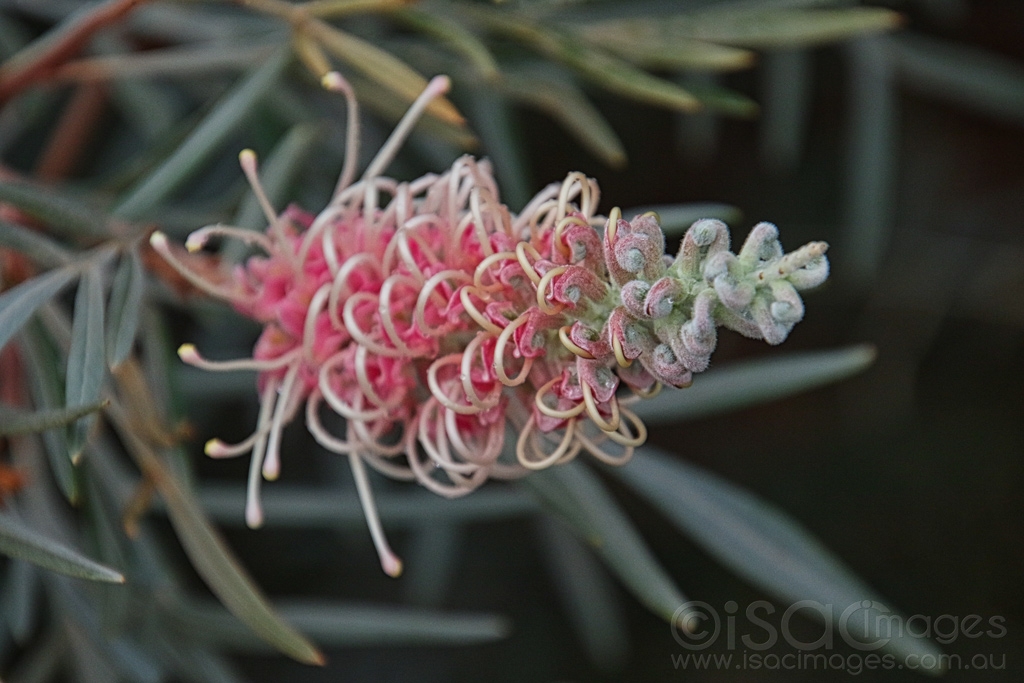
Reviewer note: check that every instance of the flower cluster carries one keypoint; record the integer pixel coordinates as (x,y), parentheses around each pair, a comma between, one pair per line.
(432,319)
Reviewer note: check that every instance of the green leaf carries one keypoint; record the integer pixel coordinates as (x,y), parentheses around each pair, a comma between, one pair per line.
(566,103)
(343,625)
(124,307)
(747,26)
(19,303)
(86,360)
(214,130)
(15,422)
(577,494)
(382,67)
(210,556)
(20,598)
(764,546)
(62,215)
(752,382)
(588,596)
(982,81)
(603,68)
(663,51)
(18,540)
(444,27)
(47,392)
(33,244)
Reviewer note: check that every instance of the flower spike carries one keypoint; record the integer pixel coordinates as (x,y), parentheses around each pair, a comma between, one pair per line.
(431,321)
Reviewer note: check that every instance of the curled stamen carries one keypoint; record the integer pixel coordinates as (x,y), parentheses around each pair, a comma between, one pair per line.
(466,375)
(481,457)
(650,393)
(158,241)
(439,393)
(614,216)
(543,461)
(389,562)
(198,238)
(551,412)
(499,355)
(341,281)
(478,222)
(316,305)
(604,456)
(485,265)
(620,357)
(437,448)
(353,412)
(465,295)
(189,354)
(319,432)
(567,342)
(622,437)
(387,320)
(574,180)
(521,250)
(542,290)
(352,325)
(247,160)
(363,377)
(595,415)
(560,228)
(430,290)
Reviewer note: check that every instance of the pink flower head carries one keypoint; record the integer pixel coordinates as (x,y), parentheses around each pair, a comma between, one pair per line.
(432,318)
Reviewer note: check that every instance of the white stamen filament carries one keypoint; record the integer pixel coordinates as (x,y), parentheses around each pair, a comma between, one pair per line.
(428,291)
(253,508)
(387,320)
(438,86)
(189,354)
(198,238)
(466,375)
(316,305)
(543,407)
(341,281)
(541,460)
(247,160)
(439,393)
(158,241)
(335,82)
(465,295)
(595,415)
(363,377)
(352,325)
(389,562)
(286,403)
(499,355)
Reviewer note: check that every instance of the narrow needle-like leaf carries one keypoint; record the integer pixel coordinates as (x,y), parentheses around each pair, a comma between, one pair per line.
(18,540)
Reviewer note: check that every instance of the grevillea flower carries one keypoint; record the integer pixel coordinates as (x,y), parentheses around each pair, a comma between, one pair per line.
(433,319)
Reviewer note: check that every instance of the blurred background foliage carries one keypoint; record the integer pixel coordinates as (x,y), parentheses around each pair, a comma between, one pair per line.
(893,131)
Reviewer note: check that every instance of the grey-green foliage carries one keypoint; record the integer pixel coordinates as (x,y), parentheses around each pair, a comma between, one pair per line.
(524,53)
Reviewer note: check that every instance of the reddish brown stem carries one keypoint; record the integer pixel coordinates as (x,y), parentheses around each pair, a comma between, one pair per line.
(73,132)
(15,77)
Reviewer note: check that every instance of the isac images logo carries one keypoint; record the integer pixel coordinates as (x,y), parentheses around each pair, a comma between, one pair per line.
(762,636)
